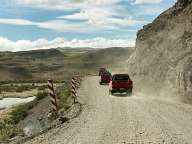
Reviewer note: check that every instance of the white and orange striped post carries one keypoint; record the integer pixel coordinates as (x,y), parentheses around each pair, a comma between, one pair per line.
(74,89)
(78,81)
(52,96)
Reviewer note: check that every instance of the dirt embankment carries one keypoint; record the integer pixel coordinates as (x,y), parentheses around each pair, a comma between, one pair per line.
(162,61)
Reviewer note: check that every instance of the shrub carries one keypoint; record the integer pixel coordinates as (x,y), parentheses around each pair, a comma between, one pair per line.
(41,95)
(7,89)
(62,96)
(19,112)
(42,87)
(24,88)
(8,129)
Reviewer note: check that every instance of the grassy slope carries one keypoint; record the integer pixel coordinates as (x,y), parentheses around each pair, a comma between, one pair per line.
(57,64)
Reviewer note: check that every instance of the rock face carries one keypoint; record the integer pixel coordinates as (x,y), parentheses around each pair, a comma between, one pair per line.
(162,61)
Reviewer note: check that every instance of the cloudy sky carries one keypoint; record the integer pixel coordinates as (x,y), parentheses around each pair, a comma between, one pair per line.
(35,24)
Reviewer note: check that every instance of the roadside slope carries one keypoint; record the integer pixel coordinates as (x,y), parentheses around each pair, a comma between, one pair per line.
(109,119)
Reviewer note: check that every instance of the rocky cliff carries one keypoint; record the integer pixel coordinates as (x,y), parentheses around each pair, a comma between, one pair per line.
(162,61)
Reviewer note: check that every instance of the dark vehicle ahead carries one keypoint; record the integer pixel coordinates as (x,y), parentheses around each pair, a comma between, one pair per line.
(105,78)
(102,70)
(121,83)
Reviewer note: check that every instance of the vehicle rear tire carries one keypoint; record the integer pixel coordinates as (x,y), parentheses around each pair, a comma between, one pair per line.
(129,92)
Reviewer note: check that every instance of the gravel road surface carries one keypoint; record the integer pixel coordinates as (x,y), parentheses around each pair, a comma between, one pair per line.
(107,119)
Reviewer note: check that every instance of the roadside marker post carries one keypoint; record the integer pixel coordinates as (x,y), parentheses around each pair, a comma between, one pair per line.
(78,81)
(52,96)
(73,89)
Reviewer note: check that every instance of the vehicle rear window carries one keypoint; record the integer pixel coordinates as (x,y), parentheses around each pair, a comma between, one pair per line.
(121,77)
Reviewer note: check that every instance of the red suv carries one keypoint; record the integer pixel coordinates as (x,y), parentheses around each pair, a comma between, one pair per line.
(105,78)
(121,83)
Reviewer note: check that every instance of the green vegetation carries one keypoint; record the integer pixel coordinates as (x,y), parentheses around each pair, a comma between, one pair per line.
(19,112)
(41,95)
(63,95)
(43,87)
(7,89)
(16,88)
(24,88)
(8,129)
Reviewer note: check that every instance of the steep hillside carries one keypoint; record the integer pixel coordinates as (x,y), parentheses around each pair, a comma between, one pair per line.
(58,64)
(162,61)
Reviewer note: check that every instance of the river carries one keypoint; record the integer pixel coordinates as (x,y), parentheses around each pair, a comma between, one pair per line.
(9,102)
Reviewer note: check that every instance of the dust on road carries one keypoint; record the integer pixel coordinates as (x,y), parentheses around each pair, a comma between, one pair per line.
(110,119)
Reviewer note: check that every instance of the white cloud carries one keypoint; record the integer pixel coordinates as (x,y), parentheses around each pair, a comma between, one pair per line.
(57,25)
(64,4)
(124,22)
(77,16)
(96,15)
(95,12)
(150,10)
(21,22)
(25,45)
(94,24)
(147,1)
(52,4)
(102,17)
(102,2)
(92,12)
(60,2)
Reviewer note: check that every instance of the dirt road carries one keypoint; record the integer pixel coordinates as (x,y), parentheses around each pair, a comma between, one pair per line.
(110,119)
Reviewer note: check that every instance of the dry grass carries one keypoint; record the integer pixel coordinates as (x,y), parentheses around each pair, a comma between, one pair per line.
(23,94)
(57,64)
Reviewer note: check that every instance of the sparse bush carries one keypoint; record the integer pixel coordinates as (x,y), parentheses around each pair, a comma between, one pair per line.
(8,129)
(62,97)
(19,112)
(13,88)
(24,88)
(41,95)
(42,87)
(7,89)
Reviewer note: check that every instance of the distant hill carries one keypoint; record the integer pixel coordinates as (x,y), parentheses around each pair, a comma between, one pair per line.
(39,54)
(39,65)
